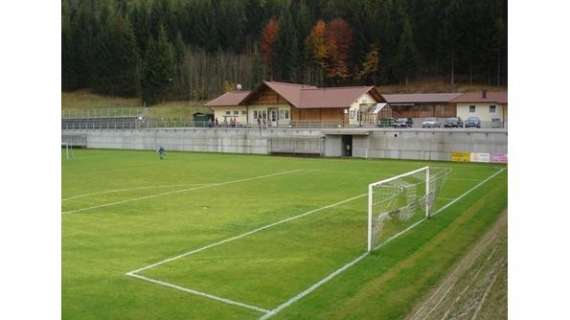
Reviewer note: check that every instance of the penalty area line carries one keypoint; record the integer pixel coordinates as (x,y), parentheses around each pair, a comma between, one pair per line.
(243,235)
(198,293)
(352,263)
(180,191)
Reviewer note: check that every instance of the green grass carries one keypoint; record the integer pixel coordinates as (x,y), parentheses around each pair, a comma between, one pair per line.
(266,268)
(83,100)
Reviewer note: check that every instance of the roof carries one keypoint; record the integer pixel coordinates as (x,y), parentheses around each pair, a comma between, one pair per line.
(420,98)
(232,98)
(306,96)
(477,97)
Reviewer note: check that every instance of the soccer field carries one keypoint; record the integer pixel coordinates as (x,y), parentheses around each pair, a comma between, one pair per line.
(223,236)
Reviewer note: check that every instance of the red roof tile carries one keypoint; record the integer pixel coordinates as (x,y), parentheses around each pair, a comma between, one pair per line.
(476,97)
(301,96)
(232,98)
(420,98)
(306,96)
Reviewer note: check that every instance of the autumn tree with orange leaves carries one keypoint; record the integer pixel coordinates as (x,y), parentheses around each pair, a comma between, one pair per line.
(317,45)
(339,39)
(268,38)
(329,47)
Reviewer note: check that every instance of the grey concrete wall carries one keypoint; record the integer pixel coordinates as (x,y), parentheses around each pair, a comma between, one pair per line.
(419,144)
(428,144)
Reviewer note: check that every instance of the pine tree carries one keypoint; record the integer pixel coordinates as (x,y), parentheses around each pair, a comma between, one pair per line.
(158,70)
(125,59)
(407,55)
(286,55)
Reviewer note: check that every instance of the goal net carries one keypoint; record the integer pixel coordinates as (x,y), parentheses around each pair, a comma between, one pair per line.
(397,203)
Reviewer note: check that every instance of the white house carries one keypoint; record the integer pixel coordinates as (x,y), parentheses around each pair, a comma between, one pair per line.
(489,106)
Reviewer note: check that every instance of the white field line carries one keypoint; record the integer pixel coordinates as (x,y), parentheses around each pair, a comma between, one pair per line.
(198,293)
(132,189)
(180,191)
(358,259)
(313,287)
(243,235)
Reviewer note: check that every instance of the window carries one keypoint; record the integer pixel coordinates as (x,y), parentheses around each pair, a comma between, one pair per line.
(471,108)
(286,114)
(492,108)
(255,114)
(228,113)
(236,113)
(283,114)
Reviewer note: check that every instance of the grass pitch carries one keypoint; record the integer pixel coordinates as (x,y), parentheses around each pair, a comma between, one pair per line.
(126,211)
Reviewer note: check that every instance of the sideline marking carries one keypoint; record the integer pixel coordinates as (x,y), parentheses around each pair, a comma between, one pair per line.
(179,191)
(199,293)
(267,226)
(358,259)
(132,189)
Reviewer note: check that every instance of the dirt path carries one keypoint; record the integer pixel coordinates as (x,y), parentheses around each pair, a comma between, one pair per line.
(476,289)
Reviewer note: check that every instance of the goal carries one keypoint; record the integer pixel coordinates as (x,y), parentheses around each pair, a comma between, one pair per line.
(397,203)
(67,149)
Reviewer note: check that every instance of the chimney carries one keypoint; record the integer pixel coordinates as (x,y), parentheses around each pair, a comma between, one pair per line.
(484,93)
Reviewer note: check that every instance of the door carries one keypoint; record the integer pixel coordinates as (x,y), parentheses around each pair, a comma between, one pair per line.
(347,145)
(273,117)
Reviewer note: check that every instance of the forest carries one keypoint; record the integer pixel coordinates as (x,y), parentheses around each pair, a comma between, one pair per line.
(196,49)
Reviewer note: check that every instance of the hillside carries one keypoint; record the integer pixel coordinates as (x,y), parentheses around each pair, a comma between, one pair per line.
(83,100)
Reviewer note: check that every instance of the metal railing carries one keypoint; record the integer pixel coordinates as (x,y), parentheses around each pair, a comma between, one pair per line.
(103,113)
(139,122)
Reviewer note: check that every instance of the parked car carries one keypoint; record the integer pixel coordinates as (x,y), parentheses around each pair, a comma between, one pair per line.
(403,123)
(496,123)
(431,123)
(473,122)
(455,122)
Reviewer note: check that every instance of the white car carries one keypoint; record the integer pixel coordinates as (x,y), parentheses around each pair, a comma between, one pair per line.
(431,123)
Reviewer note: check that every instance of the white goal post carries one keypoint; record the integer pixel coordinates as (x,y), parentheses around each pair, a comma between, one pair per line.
(396,203)
(68,150)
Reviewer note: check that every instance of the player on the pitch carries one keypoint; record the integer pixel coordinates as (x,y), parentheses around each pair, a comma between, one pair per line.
(161,152)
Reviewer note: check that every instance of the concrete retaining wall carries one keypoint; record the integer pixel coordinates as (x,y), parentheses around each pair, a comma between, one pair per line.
(419,144)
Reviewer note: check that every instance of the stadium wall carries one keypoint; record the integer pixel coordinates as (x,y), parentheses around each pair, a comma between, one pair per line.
(415,144)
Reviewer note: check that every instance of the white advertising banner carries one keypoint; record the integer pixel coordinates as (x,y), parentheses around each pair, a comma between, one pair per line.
(480,157)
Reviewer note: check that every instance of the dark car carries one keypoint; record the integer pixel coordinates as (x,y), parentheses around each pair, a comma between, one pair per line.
(403,123)
(431,123)
(473,122)
(453,123)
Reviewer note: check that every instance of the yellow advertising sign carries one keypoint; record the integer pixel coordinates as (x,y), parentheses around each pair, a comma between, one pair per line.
(461,156)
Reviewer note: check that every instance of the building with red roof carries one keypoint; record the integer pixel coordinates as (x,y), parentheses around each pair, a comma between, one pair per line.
(282,104)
